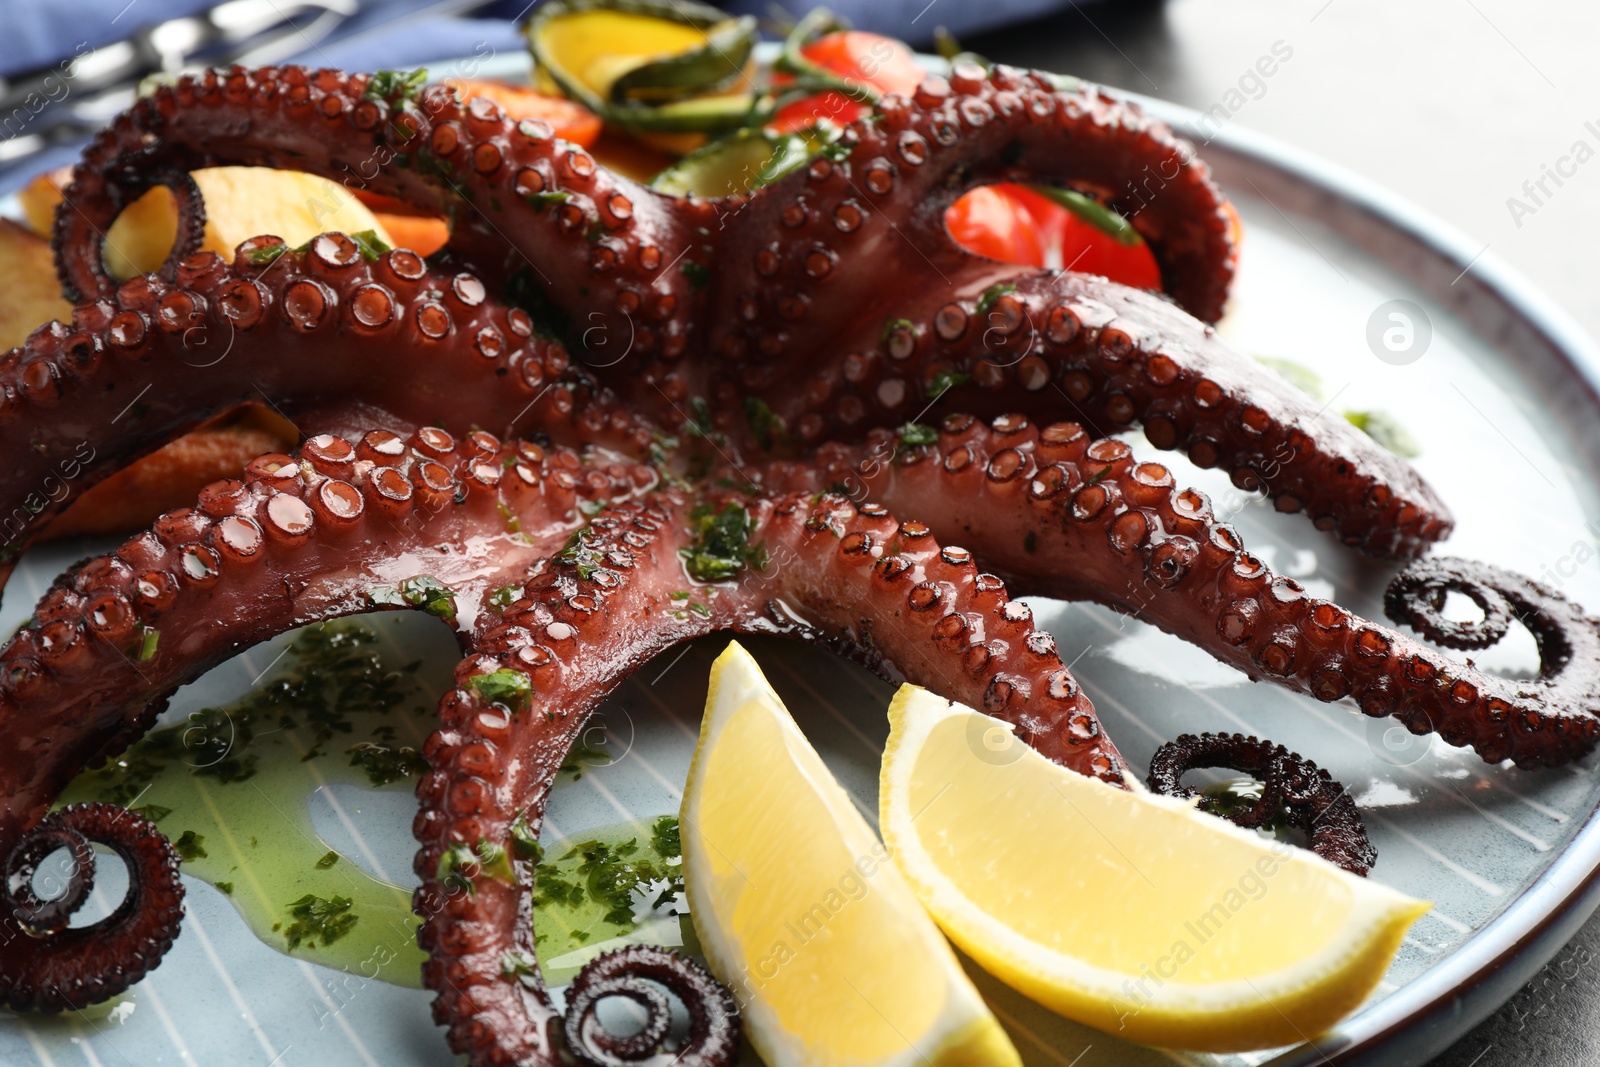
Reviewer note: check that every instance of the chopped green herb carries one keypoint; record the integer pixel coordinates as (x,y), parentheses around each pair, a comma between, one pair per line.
(431,595)
(915,433)
(149,641)
(423,591)
(505,686)
(679,594)
(722,544)
(1385,429)
(153,812)
(372,246)
(699,423)
(386,763)
(835,151)
(661,448)
(397,87)
(456,867)
(545,199)
(328,860)
(266,253)
(611,873)
(505,596)
(461,864)
(1099,476)
(212,742)
(591,508)
(699,277)
(582,756)
(699,609)
(524,842)
(226,887)
(893,326)
(766,424)
(495,861)
(580,554)
(550,889)
(993,293)
(319,919)
(944,382)
(190,845)
(665,838)
(513,524)
(130,776)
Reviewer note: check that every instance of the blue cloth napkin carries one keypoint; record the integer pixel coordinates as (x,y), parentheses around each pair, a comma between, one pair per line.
(398,33)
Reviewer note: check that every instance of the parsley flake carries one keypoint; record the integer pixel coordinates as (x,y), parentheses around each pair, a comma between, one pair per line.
(319,919)
(722,544)
(505,686)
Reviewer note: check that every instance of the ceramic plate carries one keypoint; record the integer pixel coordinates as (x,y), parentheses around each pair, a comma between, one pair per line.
(1497,390)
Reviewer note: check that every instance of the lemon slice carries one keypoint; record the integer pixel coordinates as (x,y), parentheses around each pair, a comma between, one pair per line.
(799,909)
(241,202)
(1131,912)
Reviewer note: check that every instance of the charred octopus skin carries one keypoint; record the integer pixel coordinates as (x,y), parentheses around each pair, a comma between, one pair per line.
(776,343)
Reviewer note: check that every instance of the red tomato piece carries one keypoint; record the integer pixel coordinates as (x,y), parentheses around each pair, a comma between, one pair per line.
(881,62)
(1015,224)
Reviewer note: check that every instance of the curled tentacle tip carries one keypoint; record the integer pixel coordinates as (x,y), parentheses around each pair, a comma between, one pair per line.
(1292,788)
(1416,597)
(639,973)
(1550,719)
(57,967)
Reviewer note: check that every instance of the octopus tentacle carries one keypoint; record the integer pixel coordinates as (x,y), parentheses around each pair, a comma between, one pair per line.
(46,965)
(1086,520)
(1070,345)
(1568,640)
(598,244)
(328,335)
(916,607)
(629,972)
(587,614)
(1291,785)
(1416,598)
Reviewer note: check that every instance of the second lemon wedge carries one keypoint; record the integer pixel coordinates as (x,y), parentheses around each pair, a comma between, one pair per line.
(1131,912)
(801,912)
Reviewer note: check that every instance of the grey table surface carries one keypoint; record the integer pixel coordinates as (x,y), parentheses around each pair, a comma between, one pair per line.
(1454,104)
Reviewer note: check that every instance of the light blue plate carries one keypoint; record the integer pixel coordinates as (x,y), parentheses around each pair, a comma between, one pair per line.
(1503,405)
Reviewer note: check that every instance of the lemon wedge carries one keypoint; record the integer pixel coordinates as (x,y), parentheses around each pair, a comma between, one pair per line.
(799,909)
(1131,912)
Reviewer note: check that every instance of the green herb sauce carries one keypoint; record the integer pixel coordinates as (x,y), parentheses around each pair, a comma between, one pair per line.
(231,786)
